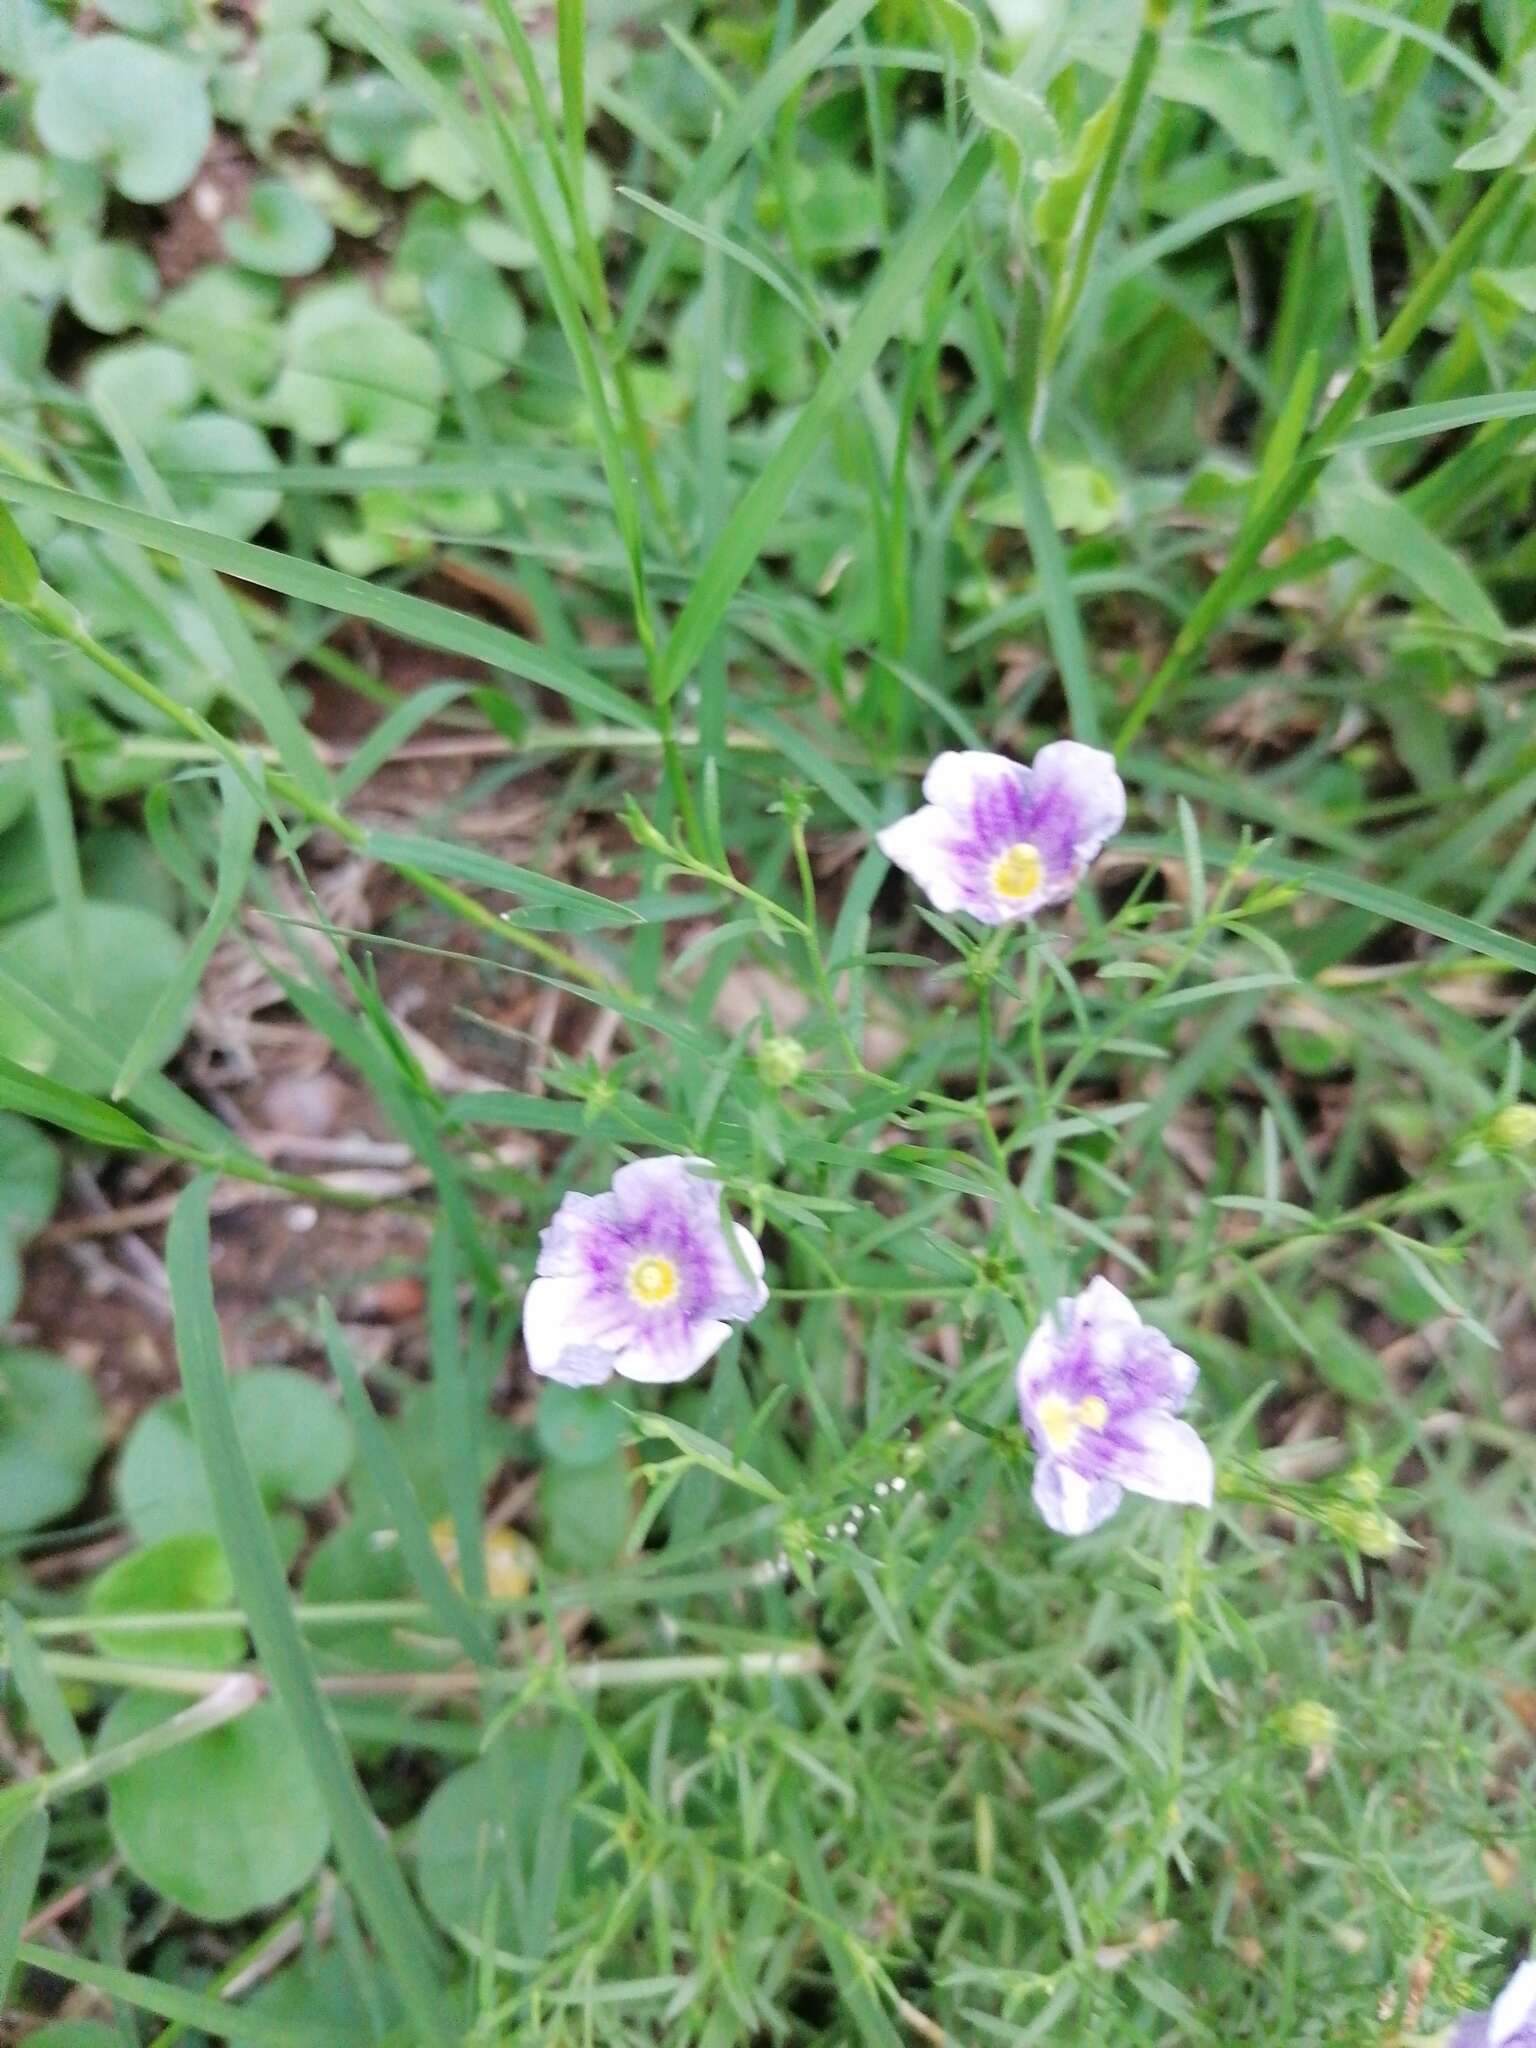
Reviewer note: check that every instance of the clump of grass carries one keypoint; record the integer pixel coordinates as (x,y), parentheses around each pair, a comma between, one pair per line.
(940,378)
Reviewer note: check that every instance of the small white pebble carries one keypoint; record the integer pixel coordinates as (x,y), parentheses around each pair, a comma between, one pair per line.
(302,1216)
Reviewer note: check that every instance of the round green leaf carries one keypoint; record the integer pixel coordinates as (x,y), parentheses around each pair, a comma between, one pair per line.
(146,17)
(485,1818)
(296,1438)
(224,1824)
(190,455)
(587,1510)
(466,302)
(131,957)
(353,1564)
(29,1177)
(187,1574)
(136,110)
(146,382)
(281,234)
(51,1432)
(578,1425)
(282,73)
(226,321)
(361,373)
(112,285)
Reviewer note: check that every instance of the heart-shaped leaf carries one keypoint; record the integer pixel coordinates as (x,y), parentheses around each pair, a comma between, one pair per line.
(186,1574)
(295,1437)
(135,109)
(112,285)
(280,234)
(51,1432)
(131,957)
(224,1824)
(191,453)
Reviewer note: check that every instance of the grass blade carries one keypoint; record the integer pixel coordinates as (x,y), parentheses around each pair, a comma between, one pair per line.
(246,1533)
(190,2008)
(730,143)
(452,1610)
(749,525)
(1321,76)
(397,611)
(21,1865)
(41,1695)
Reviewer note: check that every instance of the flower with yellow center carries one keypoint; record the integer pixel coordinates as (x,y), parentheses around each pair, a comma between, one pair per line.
(652,1280)
(1017,873)
(1062,1420)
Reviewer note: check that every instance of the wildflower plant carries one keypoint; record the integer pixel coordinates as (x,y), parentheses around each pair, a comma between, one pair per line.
(938,1447)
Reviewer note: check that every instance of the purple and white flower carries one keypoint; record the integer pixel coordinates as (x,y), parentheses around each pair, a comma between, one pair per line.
(1099,1392)
(1001,841)
(644,1281)
(1512,2021)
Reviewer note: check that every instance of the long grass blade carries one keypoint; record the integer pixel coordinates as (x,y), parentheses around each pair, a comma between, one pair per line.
(1321,76)
(749,525)
(246,1533)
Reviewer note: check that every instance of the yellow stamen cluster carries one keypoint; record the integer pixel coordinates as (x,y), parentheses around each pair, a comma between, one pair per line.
(1062,1419)
(1017,873)
(652,1280)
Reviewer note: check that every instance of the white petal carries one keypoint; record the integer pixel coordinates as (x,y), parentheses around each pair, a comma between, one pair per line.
(1093,784)
(1102,1300)
(752,1257)
(656,1367)
(922,844)
(1071,1504)
(1514,2008)
(954,780)
(1170,1463)
(558,1344)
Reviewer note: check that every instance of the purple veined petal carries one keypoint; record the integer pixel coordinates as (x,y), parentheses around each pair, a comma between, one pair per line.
(1512,2022)
(975,788)
(922,845)
(1070,1504)
(1167,1461)
(1470,2032)
(1078,803)
(656,1363)
(555,1335)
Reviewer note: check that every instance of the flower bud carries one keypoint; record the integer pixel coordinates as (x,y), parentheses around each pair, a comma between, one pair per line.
(1307,1724)
(1371,1532)
(781,1061)
(1363,1483)
(1513,1128)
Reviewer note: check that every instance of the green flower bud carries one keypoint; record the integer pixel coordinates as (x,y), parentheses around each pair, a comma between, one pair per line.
(1371,1532)
(1308,1724)
(1513,1128)
(781,1061)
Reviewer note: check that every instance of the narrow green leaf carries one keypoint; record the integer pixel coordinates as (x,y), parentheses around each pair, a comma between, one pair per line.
(1388,532)
(187,2008)
(583,908)
(1320,74)
(33,712)
(459,1414)
(703,1450)
(246,1531)
(21,1865)
(413,618)
(239,824)
(68,1109)
(749,525)
(40,1693)
(730,143)
(1418,422)
(252,679)
(1284,443)
(19,577)
(453,1611)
